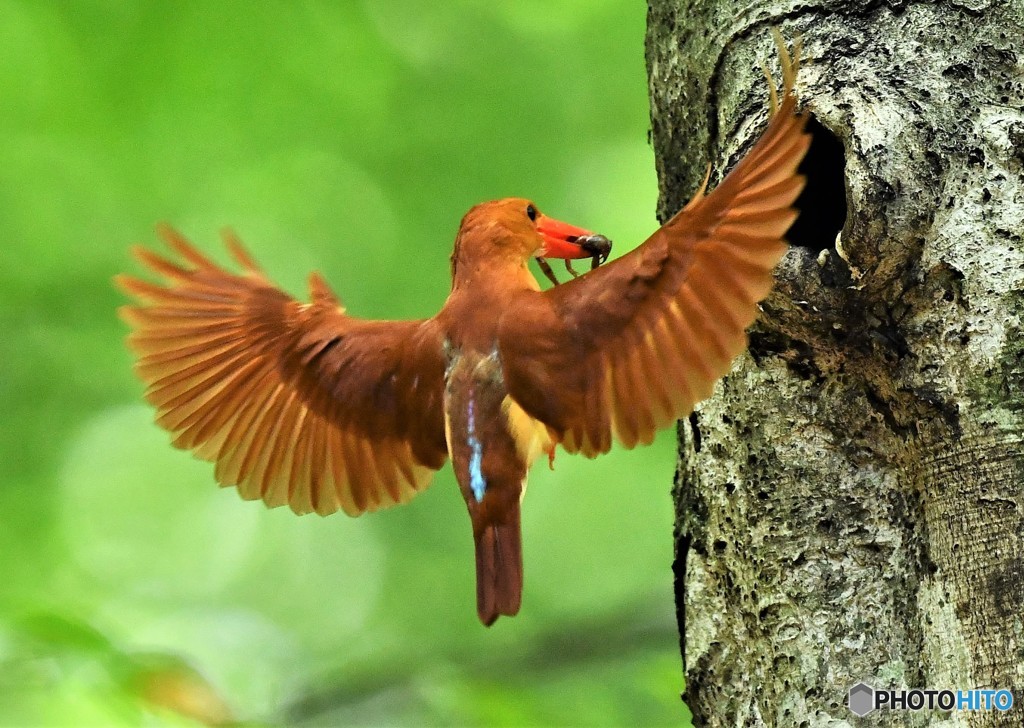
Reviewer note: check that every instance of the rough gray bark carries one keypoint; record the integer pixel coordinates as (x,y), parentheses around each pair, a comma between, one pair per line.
(850,504)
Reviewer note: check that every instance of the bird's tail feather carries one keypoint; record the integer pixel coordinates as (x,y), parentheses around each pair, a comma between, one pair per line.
(499,569)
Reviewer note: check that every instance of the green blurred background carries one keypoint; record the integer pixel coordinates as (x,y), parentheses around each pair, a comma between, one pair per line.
(348,137)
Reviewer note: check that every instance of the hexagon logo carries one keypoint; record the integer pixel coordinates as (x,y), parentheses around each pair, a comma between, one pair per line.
(862,699)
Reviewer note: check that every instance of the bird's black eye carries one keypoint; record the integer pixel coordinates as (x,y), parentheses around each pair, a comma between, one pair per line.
(531,212)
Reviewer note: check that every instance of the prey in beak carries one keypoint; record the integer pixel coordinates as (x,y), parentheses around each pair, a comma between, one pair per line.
(565,241)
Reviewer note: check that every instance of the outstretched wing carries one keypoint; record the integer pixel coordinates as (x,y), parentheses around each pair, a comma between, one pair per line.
(627,349)
(296,403)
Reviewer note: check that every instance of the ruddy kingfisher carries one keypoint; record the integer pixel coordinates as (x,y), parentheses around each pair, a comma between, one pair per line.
(301,404)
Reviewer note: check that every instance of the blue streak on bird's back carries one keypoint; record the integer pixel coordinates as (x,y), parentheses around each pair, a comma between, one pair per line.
(476,476)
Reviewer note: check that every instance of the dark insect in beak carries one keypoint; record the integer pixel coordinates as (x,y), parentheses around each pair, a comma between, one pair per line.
(598,246)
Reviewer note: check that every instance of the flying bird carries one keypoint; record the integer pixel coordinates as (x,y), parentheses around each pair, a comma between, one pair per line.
(300,404)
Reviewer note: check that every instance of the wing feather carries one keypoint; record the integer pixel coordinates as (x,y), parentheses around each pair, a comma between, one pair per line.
(295,403)
(622,351)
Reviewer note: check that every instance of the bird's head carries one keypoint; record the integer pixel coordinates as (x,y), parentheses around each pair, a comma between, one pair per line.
(513,230)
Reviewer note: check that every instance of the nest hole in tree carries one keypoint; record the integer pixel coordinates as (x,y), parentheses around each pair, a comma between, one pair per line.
(822,204)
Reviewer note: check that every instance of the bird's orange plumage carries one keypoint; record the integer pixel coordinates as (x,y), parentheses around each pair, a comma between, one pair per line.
(301,404)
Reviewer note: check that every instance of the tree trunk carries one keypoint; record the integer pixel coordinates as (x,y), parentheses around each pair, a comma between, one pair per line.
(850,504)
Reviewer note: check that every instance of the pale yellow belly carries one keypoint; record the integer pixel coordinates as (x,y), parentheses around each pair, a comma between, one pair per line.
(532,436)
